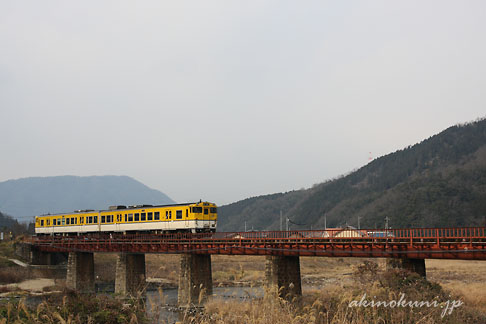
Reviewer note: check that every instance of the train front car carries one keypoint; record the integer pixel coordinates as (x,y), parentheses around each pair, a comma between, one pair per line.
(205,217)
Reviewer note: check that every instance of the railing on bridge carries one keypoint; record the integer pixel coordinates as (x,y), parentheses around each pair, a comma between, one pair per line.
(465,233)
(452,243)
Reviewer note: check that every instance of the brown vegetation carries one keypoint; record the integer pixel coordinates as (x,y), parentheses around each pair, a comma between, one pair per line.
(332,305)
(75,309)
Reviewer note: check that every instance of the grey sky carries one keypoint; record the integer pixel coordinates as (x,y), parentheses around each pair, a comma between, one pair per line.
(223,100)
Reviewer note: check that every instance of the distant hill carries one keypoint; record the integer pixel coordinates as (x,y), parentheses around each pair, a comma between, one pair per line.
(27,197)
(438,182)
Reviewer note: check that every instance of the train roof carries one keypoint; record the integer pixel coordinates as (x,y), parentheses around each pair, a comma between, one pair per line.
(128,208)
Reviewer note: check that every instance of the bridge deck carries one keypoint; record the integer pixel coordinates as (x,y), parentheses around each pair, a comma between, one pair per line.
(430,243)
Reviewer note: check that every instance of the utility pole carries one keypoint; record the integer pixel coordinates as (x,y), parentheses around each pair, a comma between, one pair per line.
(245,226)
(281,225)
(325,221)
(359,227)
(288,224)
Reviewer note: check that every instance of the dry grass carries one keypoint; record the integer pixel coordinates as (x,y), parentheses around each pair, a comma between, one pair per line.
(74,309)
(331,305)
(467,278)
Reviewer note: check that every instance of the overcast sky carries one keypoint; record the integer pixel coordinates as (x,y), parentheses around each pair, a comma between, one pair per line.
(224,100)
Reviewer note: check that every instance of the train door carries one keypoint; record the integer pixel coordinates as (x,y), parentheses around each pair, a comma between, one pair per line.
(186,218)
(117,222)
(166,222)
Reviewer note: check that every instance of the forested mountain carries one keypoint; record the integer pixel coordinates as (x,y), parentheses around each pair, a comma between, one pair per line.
(28,197)
(438,182)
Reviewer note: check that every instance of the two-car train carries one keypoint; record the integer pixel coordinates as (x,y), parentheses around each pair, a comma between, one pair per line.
(189,217)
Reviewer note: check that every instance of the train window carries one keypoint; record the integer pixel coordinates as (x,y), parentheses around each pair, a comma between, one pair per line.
(156,216)
(109,219)
(197,209)
(75,221)
(42,222)
(206,211)
(103,219)
(81,220)
(63,221)
(187,212)
(95,219)
(126,220)
(142,217)
(166,214)
(178,214)
(149,216)
(170,214)
(214,210)
(58,221)
(48,222)
(67,221)
(130,217)
(137,217)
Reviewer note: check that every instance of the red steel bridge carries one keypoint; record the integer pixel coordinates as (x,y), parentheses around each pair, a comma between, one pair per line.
(420,243)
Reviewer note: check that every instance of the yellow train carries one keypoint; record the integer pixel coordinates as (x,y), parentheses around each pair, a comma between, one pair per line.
(190,217)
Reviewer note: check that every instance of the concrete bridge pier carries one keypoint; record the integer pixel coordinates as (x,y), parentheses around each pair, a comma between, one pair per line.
(130,274)
(195,279)
(282,274)
(80,272)
(412,265)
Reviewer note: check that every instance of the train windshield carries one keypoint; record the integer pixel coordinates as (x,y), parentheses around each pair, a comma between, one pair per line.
(197,209)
